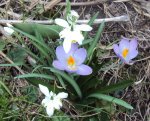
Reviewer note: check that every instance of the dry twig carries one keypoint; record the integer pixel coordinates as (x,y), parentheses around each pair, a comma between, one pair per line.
(97,21)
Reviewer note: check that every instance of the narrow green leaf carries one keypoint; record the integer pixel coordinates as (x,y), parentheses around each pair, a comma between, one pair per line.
(51,31)
(68,78)
(33,38)
(97,37)
(87,41)
(68,8)
(110,99)
(61,81)
(2,45)
(114,87)
(90,23)
(5,87)
(14,64)
(36,75)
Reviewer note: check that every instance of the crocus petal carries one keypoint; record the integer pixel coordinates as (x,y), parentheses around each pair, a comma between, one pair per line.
(62,23)
(84,70)
(133,44)
(58,65)
(80,55)
(60,53)
(8,30)
(116,49)
(74,47)
(62,95)
(124,43)
(50,110)
(67,45)
(133,54)
(83,27)
(44,90)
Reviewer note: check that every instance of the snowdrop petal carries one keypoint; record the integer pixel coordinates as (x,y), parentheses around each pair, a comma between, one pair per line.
(62,95)
(50,110)
(82,27)
(74,13)
(45,102)
(57,104)
(8,30)
(9,25)
(77,36)
(62,22)
(44,90)
(67,45)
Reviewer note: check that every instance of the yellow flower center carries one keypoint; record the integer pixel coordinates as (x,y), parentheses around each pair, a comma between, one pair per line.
(73,41)
(125,52)
(71,63)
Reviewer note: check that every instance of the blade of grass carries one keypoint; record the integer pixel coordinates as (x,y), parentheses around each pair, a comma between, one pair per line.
(68,8)
(110,99)
(97,37)
(36,75)
(68,79)
(5,87)
(113,87)
(90,23)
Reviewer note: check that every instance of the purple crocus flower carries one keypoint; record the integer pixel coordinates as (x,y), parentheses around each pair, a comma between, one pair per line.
(126,50)
(72,61)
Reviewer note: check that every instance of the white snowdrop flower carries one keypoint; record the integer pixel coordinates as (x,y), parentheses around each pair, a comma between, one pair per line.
(51,100)
(72,32)
(9,31)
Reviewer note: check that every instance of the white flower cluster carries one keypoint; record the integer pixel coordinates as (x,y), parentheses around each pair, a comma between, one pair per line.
(72,32)
(51,100)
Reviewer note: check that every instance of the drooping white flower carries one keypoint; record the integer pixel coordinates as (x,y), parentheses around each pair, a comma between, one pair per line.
(72,17)
(70,37)
(51,100)
(9,31)
(72,32)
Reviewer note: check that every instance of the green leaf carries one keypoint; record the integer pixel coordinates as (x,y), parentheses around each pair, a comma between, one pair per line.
(90,23)
(2,45)
(51,31)
(88,41)
(110,99)
(31,93)
(5,87)
(17,55)
(113,87)
(68,78)
(61,81)
(97,37)
(40,45)
(37,75)
(68,8)
(104,117)
(14,64)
